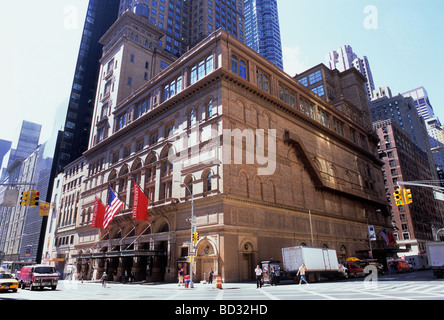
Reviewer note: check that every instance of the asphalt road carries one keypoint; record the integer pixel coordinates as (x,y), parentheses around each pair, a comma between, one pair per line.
(420,285)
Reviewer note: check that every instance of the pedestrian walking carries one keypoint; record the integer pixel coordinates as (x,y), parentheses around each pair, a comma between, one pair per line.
(180,277)
(258,272)
(278,275)
(301,272)
(104,280)
(210,276)
(273,276)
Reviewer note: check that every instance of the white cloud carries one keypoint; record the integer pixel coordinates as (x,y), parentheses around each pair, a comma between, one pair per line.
(294,62)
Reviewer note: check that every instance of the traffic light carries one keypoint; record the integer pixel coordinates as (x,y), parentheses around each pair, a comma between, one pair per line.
(24,199)
(34,198)
(195,237)
(399,200)
(408,196)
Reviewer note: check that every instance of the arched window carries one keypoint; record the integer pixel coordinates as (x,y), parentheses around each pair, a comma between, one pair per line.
(191,117)
(209,110)
(112,180)
(207,182)
(189,186)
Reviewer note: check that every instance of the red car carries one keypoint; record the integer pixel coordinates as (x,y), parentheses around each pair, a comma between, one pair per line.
(353,270)
(399,265)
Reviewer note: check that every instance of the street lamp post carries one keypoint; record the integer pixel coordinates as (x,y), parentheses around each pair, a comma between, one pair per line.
(193,230)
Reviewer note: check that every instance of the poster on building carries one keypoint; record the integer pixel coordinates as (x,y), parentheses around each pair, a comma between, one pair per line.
(372,233)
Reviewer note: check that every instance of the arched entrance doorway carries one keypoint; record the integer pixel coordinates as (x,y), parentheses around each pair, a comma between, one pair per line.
(207,259)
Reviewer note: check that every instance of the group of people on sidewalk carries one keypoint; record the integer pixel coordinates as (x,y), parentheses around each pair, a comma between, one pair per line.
(275,274)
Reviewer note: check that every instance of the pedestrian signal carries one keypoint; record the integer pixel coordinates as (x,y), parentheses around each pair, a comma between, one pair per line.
(399,200)
(34,198)
(24,199)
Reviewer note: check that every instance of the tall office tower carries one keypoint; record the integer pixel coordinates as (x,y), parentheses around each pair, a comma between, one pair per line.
(262,31)
(401,110)
(5,146)
(186,23)
(418,222)
(422,102)
(101,14)
(344,58)
(436,137)
(341,59)
(26,142)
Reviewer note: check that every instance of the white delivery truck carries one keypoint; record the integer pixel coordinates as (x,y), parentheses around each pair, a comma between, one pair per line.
(320,262)
(435,254)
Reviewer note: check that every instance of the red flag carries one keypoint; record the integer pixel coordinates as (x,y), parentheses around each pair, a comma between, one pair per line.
(99,214)
(392,239)
(140,204)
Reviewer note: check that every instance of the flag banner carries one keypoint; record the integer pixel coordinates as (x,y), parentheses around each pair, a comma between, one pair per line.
(112,207)
(140,204)
(44,208)
(384,235)
(99,214)
(392,239)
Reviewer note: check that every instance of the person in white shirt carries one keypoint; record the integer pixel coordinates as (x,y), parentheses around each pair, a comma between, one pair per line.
(258,272)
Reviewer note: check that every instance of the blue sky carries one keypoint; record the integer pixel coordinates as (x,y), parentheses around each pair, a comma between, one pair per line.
(405,50)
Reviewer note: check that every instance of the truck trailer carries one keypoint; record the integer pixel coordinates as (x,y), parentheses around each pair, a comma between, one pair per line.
(320,262)
(435,254)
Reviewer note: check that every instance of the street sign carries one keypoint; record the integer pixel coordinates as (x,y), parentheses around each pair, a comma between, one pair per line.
(438,196)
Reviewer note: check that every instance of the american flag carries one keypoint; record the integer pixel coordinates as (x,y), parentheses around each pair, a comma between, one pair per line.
(113,206)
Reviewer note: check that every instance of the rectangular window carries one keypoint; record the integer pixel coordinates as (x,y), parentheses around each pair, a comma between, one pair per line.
(315,77)
(262,80)
(307,108)
(324,117)
(338,126)
(201,69)
(304,82)
(172,88)
(319,90)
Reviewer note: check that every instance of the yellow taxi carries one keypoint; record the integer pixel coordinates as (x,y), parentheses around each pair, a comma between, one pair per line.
(8,282)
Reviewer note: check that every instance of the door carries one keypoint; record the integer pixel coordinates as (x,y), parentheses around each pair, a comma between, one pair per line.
(247,267)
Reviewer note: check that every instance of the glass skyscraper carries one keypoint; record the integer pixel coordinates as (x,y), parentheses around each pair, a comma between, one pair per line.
(186,23)
(262,30)
(101,14)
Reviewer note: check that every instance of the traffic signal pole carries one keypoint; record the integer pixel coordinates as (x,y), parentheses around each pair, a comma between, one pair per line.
(422,184)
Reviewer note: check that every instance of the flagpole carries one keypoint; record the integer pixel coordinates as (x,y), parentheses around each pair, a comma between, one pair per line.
(141,189)
(141,234)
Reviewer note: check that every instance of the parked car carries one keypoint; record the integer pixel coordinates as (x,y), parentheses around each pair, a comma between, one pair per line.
(398,266)
(354,270)
(8,282)
(38,276)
